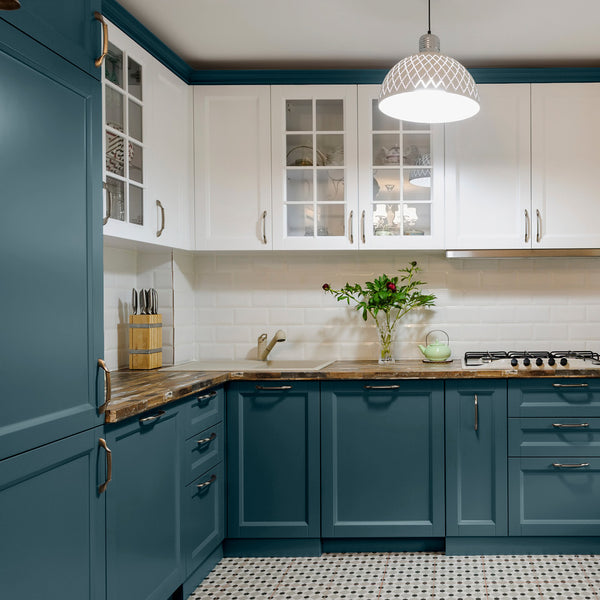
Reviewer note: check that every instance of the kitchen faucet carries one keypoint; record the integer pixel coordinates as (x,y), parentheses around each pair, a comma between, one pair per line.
(264,348)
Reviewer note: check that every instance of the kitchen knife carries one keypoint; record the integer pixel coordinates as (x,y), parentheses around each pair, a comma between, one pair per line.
(148,303)
(134,301)
(154,301)
(142,303)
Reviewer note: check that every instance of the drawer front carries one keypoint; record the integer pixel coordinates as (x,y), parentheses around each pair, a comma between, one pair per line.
(554,496)
(204,516)
(551,397)
(203,410)
(203,451)
(554,436)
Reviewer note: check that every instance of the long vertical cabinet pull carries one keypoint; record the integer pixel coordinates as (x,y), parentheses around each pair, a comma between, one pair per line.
(107,384)
(264,227)
(351,226)
(100,18)
(538,218)
(527,226)
(162,217)
(362,227)
(476,403)
(108,203)
(102,488)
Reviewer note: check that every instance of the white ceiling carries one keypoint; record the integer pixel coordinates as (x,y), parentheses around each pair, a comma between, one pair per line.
(324,34)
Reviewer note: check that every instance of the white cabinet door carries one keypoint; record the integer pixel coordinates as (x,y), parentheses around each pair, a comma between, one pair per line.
(401,189)
(126,97)
(232,167)
(314,167)
(169,159)
(565,159)
(487,172)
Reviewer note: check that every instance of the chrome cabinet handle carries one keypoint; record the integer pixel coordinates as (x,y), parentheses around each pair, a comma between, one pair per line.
(213,436)
(362,227)
(100,18)
(208,396)
(569,425)
(162,215)
(570,385)
(207,483)
(107,386)
(575,466)
(527,226)
(108,203)
(102,488)
(351,226)
(278,388)
(153,417)
(538,218)
(476,425)
(264,226)
(382,387)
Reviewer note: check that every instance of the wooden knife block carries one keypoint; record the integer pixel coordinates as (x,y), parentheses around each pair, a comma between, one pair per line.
(145,341)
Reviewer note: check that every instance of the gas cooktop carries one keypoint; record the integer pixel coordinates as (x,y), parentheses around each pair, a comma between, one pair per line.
(556,359)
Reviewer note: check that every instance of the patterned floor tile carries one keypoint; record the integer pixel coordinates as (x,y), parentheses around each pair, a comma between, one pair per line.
(339,591)
(459,591)
(567,590)
(513,591)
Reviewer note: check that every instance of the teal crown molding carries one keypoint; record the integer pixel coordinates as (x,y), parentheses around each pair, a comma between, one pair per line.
(113,11)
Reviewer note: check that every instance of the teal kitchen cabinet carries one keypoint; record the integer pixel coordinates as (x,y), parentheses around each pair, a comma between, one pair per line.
(143,507)
(382,459)
(273,459)
(52,521)
(51,244)
(476,458)
(554,464)
(67,28)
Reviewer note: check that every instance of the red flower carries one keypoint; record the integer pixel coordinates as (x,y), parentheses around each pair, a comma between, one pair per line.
(325,286)
(391,286)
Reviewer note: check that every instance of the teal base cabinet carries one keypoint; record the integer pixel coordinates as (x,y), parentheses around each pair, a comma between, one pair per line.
(382,459)
(52,521)
(273,459)
(476,458)
(143,507)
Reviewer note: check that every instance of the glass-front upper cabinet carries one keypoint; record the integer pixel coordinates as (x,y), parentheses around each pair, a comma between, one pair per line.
(400,179)
(124,96)
(314,170)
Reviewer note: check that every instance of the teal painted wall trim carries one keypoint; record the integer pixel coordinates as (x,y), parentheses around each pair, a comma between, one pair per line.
(125,21)
(113,11)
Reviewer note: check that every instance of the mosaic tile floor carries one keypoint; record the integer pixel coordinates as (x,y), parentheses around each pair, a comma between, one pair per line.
(404,576)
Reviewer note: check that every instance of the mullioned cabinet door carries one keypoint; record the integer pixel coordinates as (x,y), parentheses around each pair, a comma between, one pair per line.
(67,28)
(382,459)
(476,458)
(273,459)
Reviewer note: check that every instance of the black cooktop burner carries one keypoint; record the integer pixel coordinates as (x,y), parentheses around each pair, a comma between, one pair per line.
(538,357)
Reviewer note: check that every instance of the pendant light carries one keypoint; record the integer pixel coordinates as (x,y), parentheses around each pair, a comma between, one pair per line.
(9,4)
(429,87)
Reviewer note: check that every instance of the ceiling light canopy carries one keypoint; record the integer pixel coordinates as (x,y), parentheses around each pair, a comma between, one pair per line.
(429,87)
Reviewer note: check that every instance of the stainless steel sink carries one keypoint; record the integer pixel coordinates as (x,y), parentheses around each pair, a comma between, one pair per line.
(251,365)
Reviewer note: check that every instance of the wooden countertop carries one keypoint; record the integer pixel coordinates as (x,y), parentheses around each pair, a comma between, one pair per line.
(134,392)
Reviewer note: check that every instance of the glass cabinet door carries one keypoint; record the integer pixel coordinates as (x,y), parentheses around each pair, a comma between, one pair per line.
(314,166)
(123,86)
(400,169)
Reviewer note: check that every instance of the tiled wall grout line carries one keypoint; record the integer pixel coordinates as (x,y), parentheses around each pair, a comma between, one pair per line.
(387,562)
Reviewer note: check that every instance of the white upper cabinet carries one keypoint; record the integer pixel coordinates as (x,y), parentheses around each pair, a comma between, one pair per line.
(314,167)
(232,167)
(401,190)
(487,173)
(148,148)
(565,157)
(169,160)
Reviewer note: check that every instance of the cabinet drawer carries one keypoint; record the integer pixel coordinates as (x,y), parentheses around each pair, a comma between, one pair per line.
(554,398)
(554,496)
(204,516)
(204,450)
(203,410)
(551,436)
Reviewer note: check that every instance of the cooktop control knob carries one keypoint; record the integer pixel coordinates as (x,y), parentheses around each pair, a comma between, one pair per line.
(526,362)
(514,362)
(551,361)
(539,362)
(563,361)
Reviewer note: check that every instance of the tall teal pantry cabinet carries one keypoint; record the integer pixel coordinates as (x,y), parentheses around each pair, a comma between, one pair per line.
(51,460)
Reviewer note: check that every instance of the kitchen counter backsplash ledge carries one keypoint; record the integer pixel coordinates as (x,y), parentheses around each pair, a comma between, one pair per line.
(134,392)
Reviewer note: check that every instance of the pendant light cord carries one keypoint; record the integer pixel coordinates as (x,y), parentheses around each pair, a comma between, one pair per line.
(429,16)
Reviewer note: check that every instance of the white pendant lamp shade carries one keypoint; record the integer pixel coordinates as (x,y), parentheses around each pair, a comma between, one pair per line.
(429,87)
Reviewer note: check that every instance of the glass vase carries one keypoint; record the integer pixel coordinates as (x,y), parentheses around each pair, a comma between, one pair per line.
(386,334)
